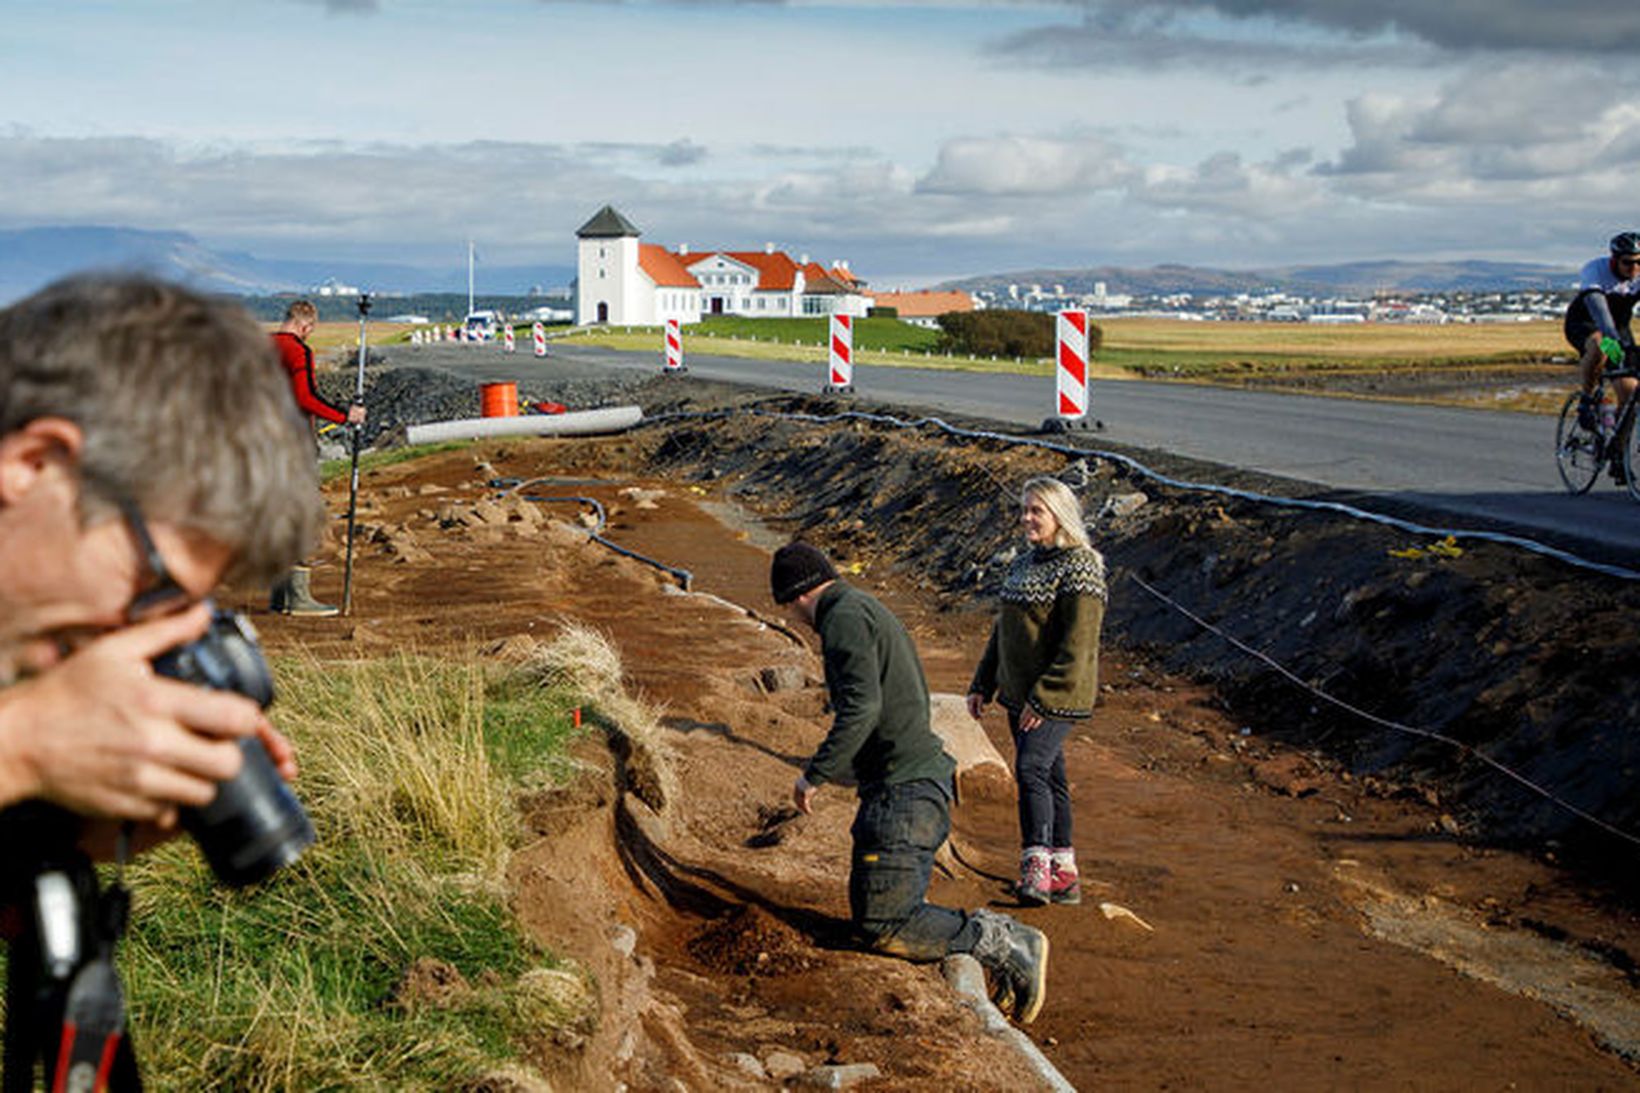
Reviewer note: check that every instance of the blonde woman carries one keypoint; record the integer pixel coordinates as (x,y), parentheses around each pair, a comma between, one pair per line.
(1042,664)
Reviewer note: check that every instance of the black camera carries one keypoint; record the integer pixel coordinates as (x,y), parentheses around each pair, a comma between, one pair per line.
(255,825)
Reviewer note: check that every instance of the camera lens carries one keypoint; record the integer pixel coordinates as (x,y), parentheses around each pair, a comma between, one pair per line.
(254,826)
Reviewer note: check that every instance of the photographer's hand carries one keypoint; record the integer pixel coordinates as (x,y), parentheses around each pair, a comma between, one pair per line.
(102,734)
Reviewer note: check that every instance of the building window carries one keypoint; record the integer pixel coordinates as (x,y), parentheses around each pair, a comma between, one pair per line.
(603,252)
(601,275)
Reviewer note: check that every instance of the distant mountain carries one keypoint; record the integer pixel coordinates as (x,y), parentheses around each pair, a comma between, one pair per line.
(1348,278)
(33,257)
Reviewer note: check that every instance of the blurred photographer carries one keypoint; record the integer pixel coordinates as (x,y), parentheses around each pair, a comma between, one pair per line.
(149,449)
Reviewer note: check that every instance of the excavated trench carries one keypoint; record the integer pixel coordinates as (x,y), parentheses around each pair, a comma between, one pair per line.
(1378,829)
(1517,657)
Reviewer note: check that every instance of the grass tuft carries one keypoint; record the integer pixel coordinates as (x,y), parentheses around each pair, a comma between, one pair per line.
(320,978)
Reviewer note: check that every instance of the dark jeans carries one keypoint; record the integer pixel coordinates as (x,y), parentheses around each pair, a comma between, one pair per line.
(1044,794)
(896,833)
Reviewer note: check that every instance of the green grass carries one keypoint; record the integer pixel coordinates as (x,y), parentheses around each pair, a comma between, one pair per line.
(332,469)
(411,768)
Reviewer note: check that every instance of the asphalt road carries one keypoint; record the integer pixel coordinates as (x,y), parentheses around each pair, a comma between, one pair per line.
(1467,465)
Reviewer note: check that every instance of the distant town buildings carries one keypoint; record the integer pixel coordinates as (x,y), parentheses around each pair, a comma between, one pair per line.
(332,287)
(1277,306)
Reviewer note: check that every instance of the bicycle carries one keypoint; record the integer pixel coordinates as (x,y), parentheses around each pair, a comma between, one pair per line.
(1581,454)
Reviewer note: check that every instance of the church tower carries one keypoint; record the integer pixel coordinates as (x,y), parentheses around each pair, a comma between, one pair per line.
(607,288)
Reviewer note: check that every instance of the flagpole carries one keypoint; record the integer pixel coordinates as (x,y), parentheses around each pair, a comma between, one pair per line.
(469,276)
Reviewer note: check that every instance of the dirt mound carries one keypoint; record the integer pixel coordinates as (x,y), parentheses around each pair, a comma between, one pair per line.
(750,941)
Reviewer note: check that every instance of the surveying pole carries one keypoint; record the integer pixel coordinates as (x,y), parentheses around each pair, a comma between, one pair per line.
(353,485)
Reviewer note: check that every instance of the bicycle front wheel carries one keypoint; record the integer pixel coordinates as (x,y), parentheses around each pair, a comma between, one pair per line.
(1578,452)
(1631,452)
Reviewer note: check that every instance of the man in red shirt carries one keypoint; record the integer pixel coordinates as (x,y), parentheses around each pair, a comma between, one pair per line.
(292,594)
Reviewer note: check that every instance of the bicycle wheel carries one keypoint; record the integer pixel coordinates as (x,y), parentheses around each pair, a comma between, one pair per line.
(1577,450)
(1631,453)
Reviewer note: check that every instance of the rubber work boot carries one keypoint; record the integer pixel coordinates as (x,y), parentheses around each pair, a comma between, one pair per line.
(1017,955)
(1064,882)
(1034,870)
(293,596)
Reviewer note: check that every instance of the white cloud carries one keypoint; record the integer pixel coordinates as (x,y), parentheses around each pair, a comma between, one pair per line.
(1024,166)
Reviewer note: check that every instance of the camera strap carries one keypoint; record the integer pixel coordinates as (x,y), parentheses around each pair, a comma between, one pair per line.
(93,1026)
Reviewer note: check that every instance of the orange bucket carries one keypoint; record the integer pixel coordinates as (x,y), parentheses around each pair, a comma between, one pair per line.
(499,399)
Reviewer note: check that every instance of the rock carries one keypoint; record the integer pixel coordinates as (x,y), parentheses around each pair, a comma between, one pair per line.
(642,498)
(1118,505)
(980,767)
(490,512)
(746,1064)
(624,940)
(846,1076)
(781,677)
(783,1065)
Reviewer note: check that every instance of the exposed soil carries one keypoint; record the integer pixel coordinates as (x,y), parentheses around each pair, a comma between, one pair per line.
(1316,901)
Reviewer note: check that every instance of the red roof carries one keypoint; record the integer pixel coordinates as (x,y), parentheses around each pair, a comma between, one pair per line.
(916,305)
(775,272)
(663,267)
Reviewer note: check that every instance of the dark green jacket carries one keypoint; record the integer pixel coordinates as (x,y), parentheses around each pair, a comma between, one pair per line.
(1044,647)
(880,733)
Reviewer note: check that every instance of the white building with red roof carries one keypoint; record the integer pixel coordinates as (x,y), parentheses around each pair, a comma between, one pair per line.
(623,281)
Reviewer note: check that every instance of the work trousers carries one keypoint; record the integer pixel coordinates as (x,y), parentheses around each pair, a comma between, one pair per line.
(1044,792)
(896,832)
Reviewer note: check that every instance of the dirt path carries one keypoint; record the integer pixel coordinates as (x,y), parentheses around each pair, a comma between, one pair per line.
(1291,906)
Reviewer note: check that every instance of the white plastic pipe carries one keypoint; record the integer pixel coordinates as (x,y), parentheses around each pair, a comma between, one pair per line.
(609,419)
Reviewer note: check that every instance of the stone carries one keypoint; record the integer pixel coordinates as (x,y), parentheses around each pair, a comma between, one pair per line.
(1118,505)
(781,677)
(980,767)
(783,1065)
(747,1064)
(845,1076)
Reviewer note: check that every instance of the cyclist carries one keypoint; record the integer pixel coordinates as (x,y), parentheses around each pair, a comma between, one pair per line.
(1597,326)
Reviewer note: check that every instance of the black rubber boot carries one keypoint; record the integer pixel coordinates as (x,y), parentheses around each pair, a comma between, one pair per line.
(1018,955)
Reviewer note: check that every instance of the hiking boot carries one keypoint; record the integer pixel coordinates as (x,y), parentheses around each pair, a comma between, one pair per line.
(1064,882)
(1018,955)
(293,596)
(1033,886)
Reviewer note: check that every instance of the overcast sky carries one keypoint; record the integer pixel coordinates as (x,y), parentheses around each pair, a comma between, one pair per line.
(919,140)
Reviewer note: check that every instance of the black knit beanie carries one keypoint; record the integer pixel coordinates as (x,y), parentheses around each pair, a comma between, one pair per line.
(798,568)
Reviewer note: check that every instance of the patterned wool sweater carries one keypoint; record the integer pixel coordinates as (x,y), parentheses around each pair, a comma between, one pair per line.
(1044,646)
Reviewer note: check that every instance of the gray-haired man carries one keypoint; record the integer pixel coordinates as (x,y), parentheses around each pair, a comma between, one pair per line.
(148,448)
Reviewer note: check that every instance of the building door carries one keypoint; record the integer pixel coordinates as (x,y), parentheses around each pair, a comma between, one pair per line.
(717,305)
(603,312)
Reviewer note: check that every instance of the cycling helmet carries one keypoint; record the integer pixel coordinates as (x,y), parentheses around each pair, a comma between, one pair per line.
(1625,243)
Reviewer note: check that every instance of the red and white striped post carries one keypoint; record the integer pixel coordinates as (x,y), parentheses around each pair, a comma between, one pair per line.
(508,339)
(842,355)
(538,334)
(1073,368)
(673,334)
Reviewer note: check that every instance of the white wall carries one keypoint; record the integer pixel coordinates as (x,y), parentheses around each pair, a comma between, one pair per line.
(608,272)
